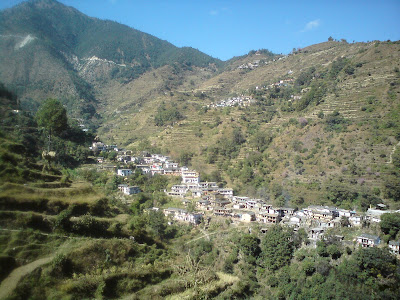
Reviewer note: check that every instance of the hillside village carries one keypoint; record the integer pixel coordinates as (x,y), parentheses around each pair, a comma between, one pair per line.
(133,168)
(203,201)
(244,100)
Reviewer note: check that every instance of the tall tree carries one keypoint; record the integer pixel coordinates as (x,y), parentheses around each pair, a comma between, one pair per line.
(53,116)
(390,224)
(277,247)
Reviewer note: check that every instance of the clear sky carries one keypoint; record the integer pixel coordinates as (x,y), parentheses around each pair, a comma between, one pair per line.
(224,29)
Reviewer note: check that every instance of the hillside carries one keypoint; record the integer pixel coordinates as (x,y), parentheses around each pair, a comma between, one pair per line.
(309,142)
(51,50)
(323,119)
(319,120)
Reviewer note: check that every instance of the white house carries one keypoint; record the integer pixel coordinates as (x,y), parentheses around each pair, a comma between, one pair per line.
(182,215)
(130,190)
(178,190)
(248,216)
(98,146)
(124,172)
(368,240)
(316,233)
(171,165)
(197,193)
(190,177)
(144,168)
(122,186)
(356,220)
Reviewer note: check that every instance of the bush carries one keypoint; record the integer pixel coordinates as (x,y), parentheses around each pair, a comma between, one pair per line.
(7,264)
(88,225)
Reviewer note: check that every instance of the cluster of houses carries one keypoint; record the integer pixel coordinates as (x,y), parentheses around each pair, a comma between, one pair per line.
(101,147)
(256,63)
(234,101)
(280,83)
(250,65)
(211,200)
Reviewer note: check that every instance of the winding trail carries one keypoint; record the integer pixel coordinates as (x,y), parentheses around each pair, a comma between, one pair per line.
(391,153)
(10,283)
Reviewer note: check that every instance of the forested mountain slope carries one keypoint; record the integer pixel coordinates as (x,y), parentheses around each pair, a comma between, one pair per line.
(49,49)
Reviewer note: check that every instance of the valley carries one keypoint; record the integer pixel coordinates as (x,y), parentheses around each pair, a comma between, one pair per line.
(134,169)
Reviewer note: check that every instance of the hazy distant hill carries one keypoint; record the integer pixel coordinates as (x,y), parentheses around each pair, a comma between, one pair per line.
(49,49)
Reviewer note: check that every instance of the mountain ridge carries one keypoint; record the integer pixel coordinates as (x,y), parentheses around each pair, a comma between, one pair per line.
(62,40)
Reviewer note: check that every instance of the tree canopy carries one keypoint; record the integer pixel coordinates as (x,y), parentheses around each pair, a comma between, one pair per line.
(53,116)
(277,247)
(390,224)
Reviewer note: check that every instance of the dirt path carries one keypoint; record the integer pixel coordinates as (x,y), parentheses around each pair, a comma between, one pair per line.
(207,235)
(391,153)
(10,283)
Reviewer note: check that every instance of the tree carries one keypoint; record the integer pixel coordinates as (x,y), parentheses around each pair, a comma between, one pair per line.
(53,116)
(390,224)
(396,158)
(392,186)
(249,248)
(112,155)
(185,158)
(375,263)
(334,251)
(261,140)
(277,247)
(157,223)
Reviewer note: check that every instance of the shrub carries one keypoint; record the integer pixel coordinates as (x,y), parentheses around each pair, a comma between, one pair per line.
(7,264)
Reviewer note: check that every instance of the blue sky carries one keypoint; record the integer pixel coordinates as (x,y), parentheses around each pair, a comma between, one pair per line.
(224,29)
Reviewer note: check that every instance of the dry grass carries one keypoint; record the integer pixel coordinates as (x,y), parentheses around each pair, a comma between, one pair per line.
(77,193)
(216,286)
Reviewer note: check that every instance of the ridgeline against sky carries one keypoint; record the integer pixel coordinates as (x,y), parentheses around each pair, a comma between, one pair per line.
(224,29)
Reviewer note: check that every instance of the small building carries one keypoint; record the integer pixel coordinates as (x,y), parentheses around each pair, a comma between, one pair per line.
(222,211)
(197,193)
(131,190)
(356,220)
(98,146)
(226,192)
(183,216)
(179,190)
(368,240)
(240,199)
(122,186)
(316,233)
(345,213)
(124,172)
(173,166)
(190,177)
(288,211)
(248,216)
(266,217)
(239,206)
(203,204)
